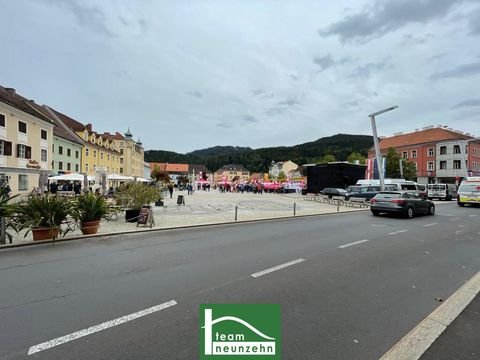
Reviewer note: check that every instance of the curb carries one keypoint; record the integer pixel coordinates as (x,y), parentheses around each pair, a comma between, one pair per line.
(145,230)
(413,345)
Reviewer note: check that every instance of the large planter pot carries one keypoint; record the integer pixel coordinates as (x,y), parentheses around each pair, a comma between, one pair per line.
(131,215)
(44,233)
(90,227)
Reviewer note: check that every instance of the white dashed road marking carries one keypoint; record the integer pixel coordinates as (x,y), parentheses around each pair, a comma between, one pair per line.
(96,328)
(398,232)
(432,224)
(275,268)
(472,215)
(454,219)
(353,243)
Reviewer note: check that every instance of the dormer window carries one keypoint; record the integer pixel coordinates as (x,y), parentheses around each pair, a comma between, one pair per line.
(92,139)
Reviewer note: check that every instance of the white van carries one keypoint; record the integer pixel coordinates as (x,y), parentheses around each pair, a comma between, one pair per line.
(391,184)
(469,191)
(441,191)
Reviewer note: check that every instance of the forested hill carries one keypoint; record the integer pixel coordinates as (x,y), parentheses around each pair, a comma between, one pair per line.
(339,146)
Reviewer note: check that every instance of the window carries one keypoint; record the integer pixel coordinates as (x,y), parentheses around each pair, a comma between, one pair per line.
(22,127)
(108,157)
(414,154)
(431,166)
(43,134)
(101,155)
(22,182)
(405,155)
(443,150)
(24,151)
(416,165)
(60,150)
(69,152)
(94,153)
(121,170)
(456,149)
(60,165)
(457,164)
(5,148)
(121,151)
(443,165)
(53,148)
(2,120)
(69,166)
(43,155)
(121,160)
(86,151)
(86,167)
(76,154)
(76,168)
(431,152)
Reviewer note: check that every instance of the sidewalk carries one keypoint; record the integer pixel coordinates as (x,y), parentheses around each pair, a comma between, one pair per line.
(213,207)
(461,340)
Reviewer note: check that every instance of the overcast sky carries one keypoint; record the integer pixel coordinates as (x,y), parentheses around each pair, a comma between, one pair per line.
(186,75)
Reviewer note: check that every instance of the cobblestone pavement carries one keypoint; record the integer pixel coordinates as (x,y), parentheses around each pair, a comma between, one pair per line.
(213,207)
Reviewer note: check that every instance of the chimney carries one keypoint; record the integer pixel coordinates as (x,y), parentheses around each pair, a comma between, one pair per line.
(11,92)
(89,127)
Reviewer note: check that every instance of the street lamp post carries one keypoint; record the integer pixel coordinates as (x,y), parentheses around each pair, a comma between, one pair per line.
(378,156)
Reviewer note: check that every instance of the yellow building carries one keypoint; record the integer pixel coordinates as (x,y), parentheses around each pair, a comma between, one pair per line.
(26,136)
(131,153)
(99,152)
(231,172)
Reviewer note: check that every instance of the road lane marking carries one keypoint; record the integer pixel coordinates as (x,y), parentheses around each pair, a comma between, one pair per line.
(418,340)
(472,215)
(96,328)
(398,232)
(454,219)
(278,267)
(432,224)
(353,243)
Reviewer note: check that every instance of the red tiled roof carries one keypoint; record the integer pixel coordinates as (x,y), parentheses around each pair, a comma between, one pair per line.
(174,168)
(421,137)
(21,103)
(71,123)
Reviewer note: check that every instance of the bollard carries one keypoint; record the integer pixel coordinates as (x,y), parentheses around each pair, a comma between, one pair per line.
(236,211)
(294,209)
(3,232)
(338,205)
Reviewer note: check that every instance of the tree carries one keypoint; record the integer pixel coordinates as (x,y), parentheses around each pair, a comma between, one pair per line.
(328,158)
(356,156)
(160,175)
(393,166)
(281,176)
(182,180)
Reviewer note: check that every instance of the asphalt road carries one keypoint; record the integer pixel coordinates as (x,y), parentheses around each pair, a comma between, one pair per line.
(343,302)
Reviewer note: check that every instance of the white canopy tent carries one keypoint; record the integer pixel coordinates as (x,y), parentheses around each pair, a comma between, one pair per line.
(118,177)
(71,177)
(143,180)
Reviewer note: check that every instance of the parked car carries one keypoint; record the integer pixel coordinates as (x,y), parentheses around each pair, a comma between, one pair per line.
(364,192)
(405,203)
(469,191)
(334,192)
(442,191)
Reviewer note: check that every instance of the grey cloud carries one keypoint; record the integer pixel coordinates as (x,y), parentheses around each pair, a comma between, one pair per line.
(260,93)
(293,77)
(275,111)
(89,16)
(413,39)
(474,23)
(467,103)
(367,70)
(459,71)
(249,118)
(143,25)
(120,73)
(224,125)
(289,102)
(195,93)
(327,61)
(387,16)
(123,21)
(352,104)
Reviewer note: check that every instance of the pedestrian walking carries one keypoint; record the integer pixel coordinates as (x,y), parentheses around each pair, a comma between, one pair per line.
(170,190)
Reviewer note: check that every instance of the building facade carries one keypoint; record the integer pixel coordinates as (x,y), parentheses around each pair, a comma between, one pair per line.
(26,137)
(230,172)
(131,153)
(440,154)
(99,153)
(282,166)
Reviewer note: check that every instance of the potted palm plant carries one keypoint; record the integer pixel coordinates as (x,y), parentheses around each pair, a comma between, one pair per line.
(132,196)
(91,209)
(44,216)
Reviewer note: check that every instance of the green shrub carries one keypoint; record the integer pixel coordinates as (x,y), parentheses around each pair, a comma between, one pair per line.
(134,195)
(91,207)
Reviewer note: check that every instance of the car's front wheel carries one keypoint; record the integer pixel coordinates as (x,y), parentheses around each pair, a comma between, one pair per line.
(410,213)
(375,212)
(460,204)
(431,210)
